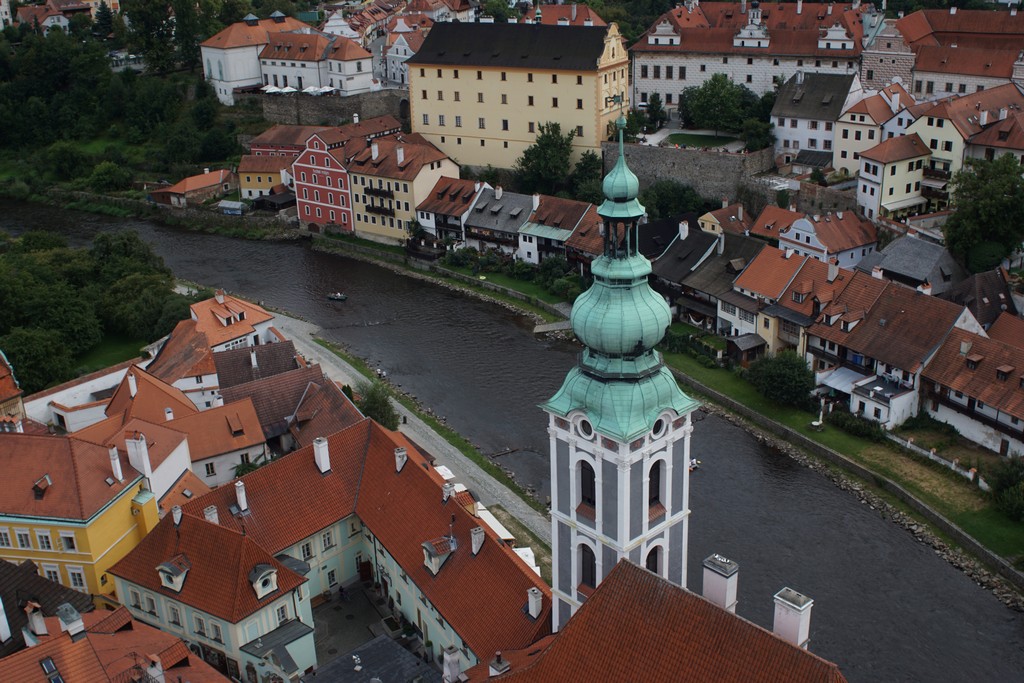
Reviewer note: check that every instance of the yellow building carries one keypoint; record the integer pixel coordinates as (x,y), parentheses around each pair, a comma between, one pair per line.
(481,91)
(72,507)
(258,174)
(892,178)
(389,179)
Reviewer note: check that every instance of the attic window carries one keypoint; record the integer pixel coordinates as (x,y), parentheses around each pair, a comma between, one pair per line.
(798,297)
(42,484)
(974,360)
(1003,372)
(235,425)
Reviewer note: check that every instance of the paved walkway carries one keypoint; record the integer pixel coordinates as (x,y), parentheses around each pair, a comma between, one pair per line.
(656,138)
(487,490)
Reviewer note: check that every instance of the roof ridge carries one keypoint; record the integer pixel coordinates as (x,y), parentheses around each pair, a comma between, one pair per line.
(362,467)
(74,468)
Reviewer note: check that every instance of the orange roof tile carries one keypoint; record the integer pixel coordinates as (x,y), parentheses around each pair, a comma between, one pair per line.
(813,283)
(1008,329)
(77,471)
(979,61)
(1007,133)
(217,582)
(152,397)
(188,486)
(557,212)
(75,660)
(899,148)
(552,14)
(224,322)
(670,634)
(841,231)
(965,112)
(186,353)
(323,410)
(265,163)
(241,34)
(732,218)
(586,238)
(449,197)
(220,430)
(8,383)
(416,151)
(198,182)
(860,294)
(772,221)
(346,50)
(285,135)
(770,272)
(974,28)
(995,379)
(296,47)
(417,21)
(878,107)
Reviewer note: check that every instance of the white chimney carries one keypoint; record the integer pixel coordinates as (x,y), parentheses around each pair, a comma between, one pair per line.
(206,170)
(789,253)
(133,387)
(721,577)
(536,201)
(253,363)
(792,617)
(218,401)
(534,601)
(952,10)
(799,6)
(725,202)
(563,21)
(743,6)
(894,103)
(829,11)
(452,665)
(1013,11)
(799,77)
(168,414)
(115,464)
(833,271)
(498,666)
(374,150)
(839,215)
(983,119)
(720,249)
(322,455)
(574,11)
(925,288)
(5,627)
(1002,113)
(355,118)
(219,296)
(497,192)
(476,538)
(476,186)
(176,515)
(588,22)
(36,624)
(486,19)
(138,453)
(739,212)
(876,272)
(155,670)
(210,513)
(447,491)
(70,621)
(684,229)
(400,153)
(400,457)
(243,504)
(19,427)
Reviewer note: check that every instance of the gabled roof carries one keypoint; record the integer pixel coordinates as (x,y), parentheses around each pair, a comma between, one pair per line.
(899,148)
(915,260)
(986,295)
(995,377)
(245,34)
(298,47)
(772,221)
(557,212)
(20,582)
(235,366)
(449,196)
(1006,133)
(507,214)
(285,135)
(265,163)
(840,231)
(850,305)
(770,272)
(655,237)
(965,61)
(186,353)
(217,582)
(152,397)
(716,274)
(732,218)
(161,439)
(188,486)
(220,430)
(562,48)
(70,472)
(323,410)
(969,28)
(670,634)
(684,255)
(879,107)
(414,22)
(8,382)
(198,182)
(221,321)
(964,112)
(1009,329)
(275,398)
(346,50)
(818,96)
(575,14)
(813,287)
(414,149)
(586,238)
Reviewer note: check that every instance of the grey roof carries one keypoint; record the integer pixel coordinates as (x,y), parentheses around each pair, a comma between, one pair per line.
(275,398)
(714,276)
(381,659)
(506,215)
(296,565)
(912,260)
(683,255)
(819,96)
(235,366)
(780,311)
(516,46)
(21,582)
(657,236)
(986,295)
(815,159)
(745,342)
(738,300)
(275,641)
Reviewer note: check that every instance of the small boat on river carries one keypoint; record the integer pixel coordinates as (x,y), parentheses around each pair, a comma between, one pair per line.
(337,296)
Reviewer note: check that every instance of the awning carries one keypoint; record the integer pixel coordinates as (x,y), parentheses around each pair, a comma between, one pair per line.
(904,203)
(843,379)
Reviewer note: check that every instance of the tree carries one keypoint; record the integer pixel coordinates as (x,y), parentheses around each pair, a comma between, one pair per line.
(186,32)
(757,134)
(666,198)
(375,403)
(783,378)
(39,357)
(717,104)
(103,25)
(587,177)
(656,114)
(500,10)
(988,209)
(544,166)
(108,176)
(151,31)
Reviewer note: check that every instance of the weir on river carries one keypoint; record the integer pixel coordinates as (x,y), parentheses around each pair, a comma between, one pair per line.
(887,608)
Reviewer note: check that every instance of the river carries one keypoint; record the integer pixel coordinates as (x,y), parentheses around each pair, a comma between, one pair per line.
(887,608)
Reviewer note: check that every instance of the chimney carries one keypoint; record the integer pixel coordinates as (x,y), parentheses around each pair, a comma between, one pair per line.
(243,504)
(218,401)
(400,457)
(5,627)
(168,414)
(476,538)
(952,10)
(115,464)
(721,576)
(219,296)
(743,6)
(684,229)
(574,11)
(876,272)
(498,666)
(133,387)
(534,601)
(355,118)
(70,621)
(447,490)
(476,186)
(155,670)
(739,212)
(792,617)
(833,271)
(452,664)
(799,77)
(983,119)
(789,253)
(19,427)
(374,150)
(210,513)
(1013,11)
(894,102)
(253,363)
(588,22)
(176,515)
(206,170)
(721,243)
(536,201)
(497,192)
(725,202)
(322,455)
(925,288)
(799,6)
(35,619)
(1002,113)
(138,453)
(400,153)
(839,215)
(829,10)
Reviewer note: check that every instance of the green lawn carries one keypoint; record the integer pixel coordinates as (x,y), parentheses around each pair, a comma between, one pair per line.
(393,248)
(528,288)
(111,350)
(694,140)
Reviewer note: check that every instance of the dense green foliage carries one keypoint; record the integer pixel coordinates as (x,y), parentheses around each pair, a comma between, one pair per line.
(56,302)
(1007,482)
(667,198)
(783,378)
(988,222)
(375,402)
(721,105)
(544,166)
(855,425)
(553,275)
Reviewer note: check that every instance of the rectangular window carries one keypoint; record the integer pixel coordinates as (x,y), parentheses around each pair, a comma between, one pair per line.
(200,626)
(77,578)
(529,100)
(440,95)
(24,540)
(215,632)
(480,123)
(579,131)
(728,308)
(554,78)
(554,103)
(51,572)
(480,97)
(531,126)
(211,469)
(579,104)
(504,98)
(458,96)
(746,316)
(668,72)
(503,76)
(332,578)
(135,600)
(282,614)
(529,78)
(5,539)
(423,95)
(458,122)
(150,604)
(426,119)
(174,615)
(504,124)
(307,550)
(43,538)
(327,539)
(657,71)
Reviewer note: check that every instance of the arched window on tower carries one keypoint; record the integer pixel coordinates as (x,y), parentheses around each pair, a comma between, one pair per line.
(654,484)
(587,506)
(654,559)
(588,567)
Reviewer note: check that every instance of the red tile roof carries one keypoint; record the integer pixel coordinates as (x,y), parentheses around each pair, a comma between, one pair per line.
(1006,134)
(732,218)
(770,272)
(77,472)
(772,221)
(557,212)
(840,231)
(221,322)
(217,582)
(586,238)
(449,197)
(8,383)
(812,282)
(638,626)
(265,163)
(416,153)
(980,61)
(995,378)
(296,47)
(151,399)
(161,439)
(275,398)
(285,135)
(186,353)
(878,107)
(220,430)
(1008,329)
(199,182)
(965,112)
(552,14)
(851,304)
(966,28)
(346,50)
(241,34)
(324,410)
(187,487)
(899,148)
(415,20)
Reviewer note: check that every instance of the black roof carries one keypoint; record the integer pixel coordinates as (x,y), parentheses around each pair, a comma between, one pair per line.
(715,275)
(813,96)
(21,582)
(808,157)
(684,255)
(536,46)
(657,236)
(986,295)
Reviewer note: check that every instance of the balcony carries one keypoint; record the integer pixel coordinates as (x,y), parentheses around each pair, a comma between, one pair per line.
(492,236)
(936,173)
(378,192)
(933,193)
(379,210)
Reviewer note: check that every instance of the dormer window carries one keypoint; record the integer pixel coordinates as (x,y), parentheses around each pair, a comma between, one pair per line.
(799,297)
(435,553)
(263,578)
(974,360)
(1003,372)
(173,572)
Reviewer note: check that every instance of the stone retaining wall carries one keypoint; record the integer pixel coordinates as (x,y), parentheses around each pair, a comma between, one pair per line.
(330,110)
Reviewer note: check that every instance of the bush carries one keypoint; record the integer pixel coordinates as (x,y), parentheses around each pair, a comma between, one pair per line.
(108,176)
(1007,482)
(857,426)
(783,378)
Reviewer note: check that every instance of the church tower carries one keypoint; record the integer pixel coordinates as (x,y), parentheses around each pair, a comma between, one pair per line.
(619,426)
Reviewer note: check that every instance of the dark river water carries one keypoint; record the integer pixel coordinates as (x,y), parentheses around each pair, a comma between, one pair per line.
(886,607)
